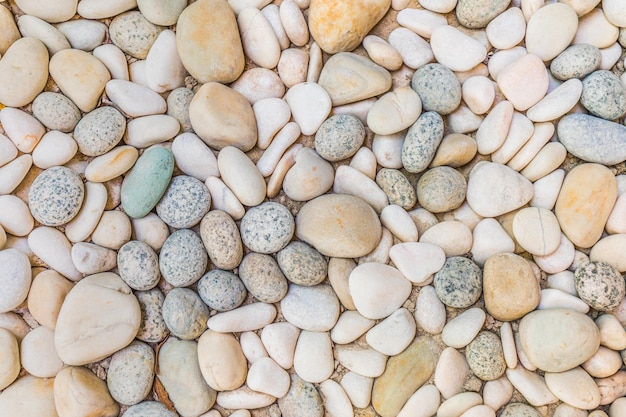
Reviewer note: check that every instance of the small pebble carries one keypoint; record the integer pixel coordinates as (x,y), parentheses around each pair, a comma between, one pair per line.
(458,282)
(131,373)
(221,290)
(99,131)
(184,313)
(485,356)
(56,196)
(184,203)
(603,95)
(183,259)
(599,285)
(302,264)
(267,228)
(152,328)
(339,137)
(56,111)
(138,265)
(313,308)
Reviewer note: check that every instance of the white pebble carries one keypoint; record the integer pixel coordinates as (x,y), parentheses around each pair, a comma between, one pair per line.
(364,161)
(454,237)
(398,222)
(223,198)
(252,316)
(12,174)
(52,247)
(422,22)
(392,335)
(388,150)
(280,341)
(164,69)
(358,388)
(382,53)
(258,38)
(364,361)
(609,56)
(417,261)
(194,157)
(293,66)
(553,298)
(497,393)
(310,104)
(53,38)
(423,403)
(490,238)
(507,29)
(413,49)
(456,50)
(313,358)
(462,329)
(241,175)
(23,129)
(252,346)
(430,312)
(547,190)
(15,217)
(612,333)
(283,140)
(293,22)
(113,230)
(508,345)
(54,148)
(350,181)
(259,83)
(133,99)
(8,151)
(267,377)
(271,115)
(560,259)
(541,135)
(90,259)
(360,109)
(451,371)
(478,94)
(113,59)
(493,132)
(315,63)
(146,131)
(272,14)
(460,403)
(38,354)
(350,326)
(563,281)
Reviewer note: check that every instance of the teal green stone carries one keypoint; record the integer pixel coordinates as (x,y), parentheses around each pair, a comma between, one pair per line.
(146,183)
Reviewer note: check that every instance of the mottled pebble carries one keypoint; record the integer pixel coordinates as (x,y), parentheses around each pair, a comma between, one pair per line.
(184,313)
(302,264)
(577,61)
(131,373)
(603,95)
(478,14)
(458,282)
(99,131)
(133,33)
(397,187)
(267,228)
(56,111)
(437,87)
(314,308)
(441,189)
(56,196)
(221,290)
(148,409)
(184,203)
(301,399)
(152,328)
(485,356)
(600,285)
(339,137)
(138,265)
(421,142)
(183,259)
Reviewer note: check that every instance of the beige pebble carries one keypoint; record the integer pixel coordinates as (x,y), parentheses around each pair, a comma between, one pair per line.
(537,230)
(420,21)
(90,258)
(310,104)
(38,390)
(258,38)
(454,237)
(112,164)
(315,63)
(531,385)
(603,364)
(455,150)
(478,93)
(113,230)
(280,341)
(313,357)
(352,182)
(524,82)
(380,253)
(241,175)
(10,365)
(559,260)
(497,393)
(549,158)
(38,354)
(456,50)
(541,135)
(558,102)
(451,371)
(23,129)
(429,257)
(309,177)
(608,249)
(550,30)
(79,392)
(394,111)
(113,59)
(293,66)
(609,56)
(283,140)
(382,53)
(501,59)
(55,148)
(46,296)
(547,190)
(507,29)
(463,120)
(271,115)
(493,132)
(222,362)
(85,222)
(594,29)
(52,247)
(272,14)
(15,218)
(223,198)
(339,270)
(10,32)
(612,333)
(574,387)
(293,22)
(145,131)
(22,84)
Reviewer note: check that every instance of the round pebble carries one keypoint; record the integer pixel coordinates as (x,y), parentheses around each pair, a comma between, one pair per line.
(339,137)
(397,187)
(438,88)
(138,265)
(263,278)
(441,189)
(184,313)
(459,282)
(577,61)
(183,259)
(152,328)
(221,290)
(56,111)
(178,101)
(56,195)
(604,95)
(600,285)
(302,264)
(267,228)
(221,239)
(131,373)
(99,131)
(485,356)
(185,202)
(133,34)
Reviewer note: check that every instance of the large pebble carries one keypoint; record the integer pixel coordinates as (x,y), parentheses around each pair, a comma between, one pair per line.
(51,246)
(557,23)
(348,78)
(575,132)
(340,27)
(524,82)
(537,230)
(313,308)
(221,360)
(164,69)
(131,373)
(459,282)
(378,289)
(258,38)
(455,49)
(603,95)
(585,203)
(556,340)
(184,313)
(509,286)
(600,285)
(78,391)
(441,189)
(208,42)
(99,131)
(574,387)
(577,61)
(183,259)
(477,14)
(15,276)
(21,84)
(313,357)
(437,87)
(56,196)
(558,102)
(102,301)
(40,391)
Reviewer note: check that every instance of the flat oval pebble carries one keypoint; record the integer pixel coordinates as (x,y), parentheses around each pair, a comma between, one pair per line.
(314,308)
(267,228)
(131,373)
(462,329)
(183,259)
(112,164)
(437,87)
(455,49)
(302,264)
(184,203)
(221,290)
(99,131)
(138,265)
(397,187)
(421,142)
(56,196)
(253,316)
(458,282)
(577,61)
(313,357)
(184,313)
(56,111)
(22,128)
(16,277)
(392,335)
(221,239)
(54,148)
(485,356)
(441,189)
(51,246)
(574,387)
(25,83)
(557,102)
(574,133)
(600,285)
(222,362)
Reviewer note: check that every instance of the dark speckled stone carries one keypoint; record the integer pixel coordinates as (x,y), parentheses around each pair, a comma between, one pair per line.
(441,189)
(152,328)
(267,228)
(302,399)
(437,87)
(149,409)
(421,142)
(599,285)
(138,265)
(183,259)
(185,314)
(577,61)
(397,187)
(302,264)
(459,282)
(339,137)
(477,14)
(221,290)
(185,202)
(56,195)
(604,95)
(263,278)
(485,356)
(99,131)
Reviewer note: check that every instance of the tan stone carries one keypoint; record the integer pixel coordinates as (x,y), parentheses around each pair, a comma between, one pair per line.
(78,392)
(8,30)
(208,41)
(510,289)
(46,296)
(455,150)
(29,396)
(585,202)
(339,26)
(339,225)
(222,362)
(222,117)
(10,364)
(524,82)
(24,69)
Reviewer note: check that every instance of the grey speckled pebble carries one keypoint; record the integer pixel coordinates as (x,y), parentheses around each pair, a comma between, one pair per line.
(302,399)
(131,373)
(183,259)
(221,290)
(459,282)
(302,264)
(604,95)
(339,137)
(185,202)
(441,189)
(593,139)
(397,187)
(519,410)
(149,409)
(178,107)
(600,285)
(56,111)
(221,239)
(577,61)
(477,14)
(133,34)
(438,88)
(56,195)
(99,131)
(267,228)
(152,328)
(138,265)
(263,278)
(485,356)
(421,142)
(184,313)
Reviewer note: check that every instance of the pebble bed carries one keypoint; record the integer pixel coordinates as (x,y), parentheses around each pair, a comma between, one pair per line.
(394,208)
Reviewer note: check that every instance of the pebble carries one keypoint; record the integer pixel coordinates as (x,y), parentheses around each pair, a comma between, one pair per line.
(552,349)
(145,131)
(607,250)
(46,295)
(164,69)
(478,93)
(573,132)
(454,237)
(490,238)
(595,29)
(302,264)
(314,308)
(250,317)
(23,129)
(603,95)
(507,29)
(221,239)
(78,391)
(459,404)
(456,50)
(338,275)
(437,87)
(39,390)
(358,388)
(184,203)
(524,95)
(558,260)
(133,99)
(349,180)
(309,177)
(56,111)
(241,175)
(221,290)
(413,49)
(441,189)
(8,151)
(262,277)
(556,103)
(537,231)
(336,400)
(394,387)
(38,355)
(313,357)
(113,59)
(51,246)
(459,282)
(349,24)
(422,22)
(604,363)
(91,258)
(267,228)
(183,259)
(397,187)
(56,196)
(221,360)
(112,164)
(599,285)
(184,313)
(138,265)
(243,398)
(113,230)
(268,377)
(54,148)
(15,324)
(399,109)
(485,356)
(260,43)
(152,328)
(361,359)
(131,373)
(451,372)
(397,221)
(301,399)
(271,115)
(462,329)
(148,409)
(99,131)
(21,85)
(15,277)
(259,83)
(85,92)
(455,150)
(310,104)
(83,34)
(577,61)
(378,289)
(292,66)
(542,25)
(477,15)
(339,137)
(421,142)
(392,335)
(585,202)
(178,101)
(280,340)
(349,327)
(10,367)
(574,387)
(252,347)
(430,312)
(382,53)
(349,78)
